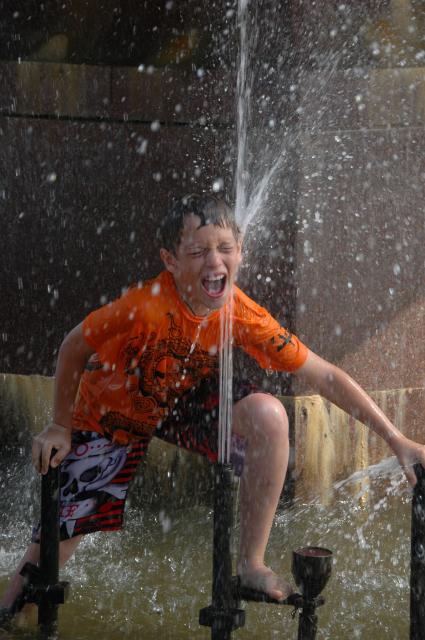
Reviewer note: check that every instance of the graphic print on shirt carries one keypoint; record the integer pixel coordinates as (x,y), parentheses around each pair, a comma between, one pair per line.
(158,372)
(282,340)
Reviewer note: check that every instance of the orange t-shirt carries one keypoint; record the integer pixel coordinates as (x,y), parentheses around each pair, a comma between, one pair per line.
(150,349)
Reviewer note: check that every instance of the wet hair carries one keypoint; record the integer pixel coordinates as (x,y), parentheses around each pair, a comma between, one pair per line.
(208,208)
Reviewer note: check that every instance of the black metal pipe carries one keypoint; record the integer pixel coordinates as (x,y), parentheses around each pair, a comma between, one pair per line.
(222,592)
(307,623)
(417,562)
(49,550)
(42,584)
(222,535)
(224,615)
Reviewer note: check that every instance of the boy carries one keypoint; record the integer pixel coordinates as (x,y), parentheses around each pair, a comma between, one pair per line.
(147,365)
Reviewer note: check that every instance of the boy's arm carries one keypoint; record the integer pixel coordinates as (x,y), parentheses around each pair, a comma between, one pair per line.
(73,355)
(337,386)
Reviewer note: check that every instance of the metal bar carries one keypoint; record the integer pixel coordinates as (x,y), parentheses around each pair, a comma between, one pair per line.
(49,550)
(307,623)
(222,596)
(222,533)
(417,563)
(224,614)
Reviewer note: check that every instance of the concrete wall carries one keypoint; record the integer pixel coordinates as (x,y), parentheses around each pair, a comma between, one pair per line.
(91,156)
(88,164)
(359,250)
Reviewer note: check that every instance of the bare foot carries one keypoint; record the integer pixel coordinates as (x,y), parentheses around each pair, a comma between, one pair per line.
(264,579)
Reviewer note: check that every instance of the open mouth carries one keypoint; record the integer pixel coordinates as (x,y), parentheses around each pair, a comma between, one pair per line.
(214,285)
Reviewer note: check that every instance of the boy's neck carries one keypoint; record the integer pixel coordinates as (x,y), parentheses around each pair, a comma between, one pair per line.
(187,303)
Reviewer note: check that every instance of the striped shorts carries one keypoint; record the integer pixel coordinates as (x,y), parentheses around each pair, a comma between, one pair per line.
(96,474)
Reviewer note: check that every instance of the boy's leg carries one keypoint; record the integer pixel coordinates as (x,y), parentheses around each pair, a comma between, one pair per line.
(262,424)
(13,592)
(262,421)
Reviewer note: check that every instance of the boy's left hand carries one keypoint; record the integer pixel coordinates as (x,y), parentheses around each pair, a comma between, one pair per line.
(409,453)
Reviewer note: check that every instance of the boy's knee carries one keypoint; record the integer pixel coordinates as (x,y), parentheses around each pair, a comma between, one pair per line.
(276,420)
(266,416)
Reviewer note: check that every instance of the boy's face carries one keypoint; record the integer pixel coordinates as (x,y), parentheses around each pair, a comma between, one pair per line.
(205,265)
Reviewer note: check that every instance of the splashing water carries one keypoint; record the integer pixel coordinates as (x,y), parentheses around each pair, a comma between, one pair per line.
(243,90)
(244,86)
(159,575)
(248,204)
(251,190)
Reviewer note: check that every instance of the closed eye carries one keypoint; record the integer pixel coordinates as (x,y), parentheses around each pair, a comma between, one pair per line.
(223,248)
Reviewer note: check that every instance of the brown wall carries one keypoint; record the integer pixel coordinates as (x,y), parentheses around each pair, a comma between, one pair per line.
(360,248)
(340,237)
(84,179)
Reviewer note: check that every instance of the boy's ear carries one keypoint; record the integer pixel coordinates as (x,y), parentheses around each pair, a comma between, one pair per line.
(169,260)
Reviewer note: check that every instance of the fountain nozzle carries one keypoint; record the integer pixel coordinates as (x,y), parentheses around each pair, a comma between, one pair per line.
(311,568)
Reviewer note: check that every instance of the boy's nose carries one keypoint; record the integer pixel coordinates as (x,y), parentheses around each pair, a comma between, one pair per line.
(213,258)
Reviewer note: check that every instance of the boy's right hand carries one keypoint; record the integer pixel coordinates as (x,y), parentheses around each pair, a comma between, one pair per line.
(54,436)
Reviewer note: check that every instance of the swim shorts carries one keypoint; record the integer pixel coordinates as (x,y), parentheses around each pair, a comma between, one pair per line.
(96,474)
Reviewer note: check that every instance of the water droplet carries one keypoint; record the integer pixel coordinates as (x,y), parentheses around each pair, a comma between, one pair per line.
(142,146)
(218,185)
